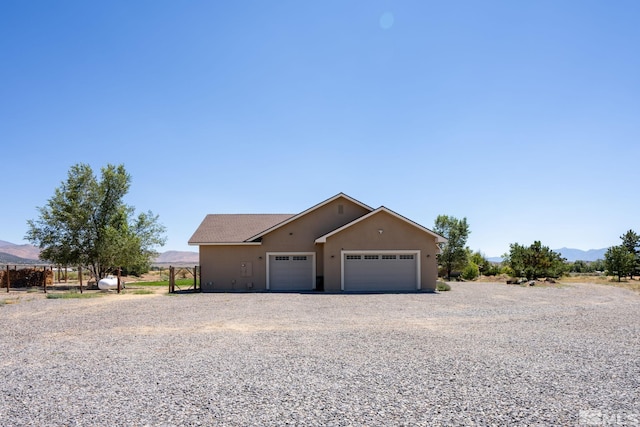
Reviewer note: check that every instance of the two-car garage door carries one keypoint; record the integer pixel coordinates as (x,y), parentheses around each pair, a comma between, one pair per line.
(383,271)
(362,271)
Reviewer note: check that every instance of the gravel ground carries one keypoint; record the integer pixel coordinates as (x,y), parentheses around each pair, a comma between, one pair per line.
(482,354)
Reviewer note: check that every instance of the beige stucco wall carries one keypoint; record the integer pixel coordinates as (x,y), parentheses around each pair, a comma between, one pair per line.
(222,264)
(222,268)
(396,235)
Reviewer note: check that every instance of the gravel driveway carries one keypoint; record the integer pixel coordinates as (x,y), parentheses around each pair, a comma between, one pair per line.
(482,354)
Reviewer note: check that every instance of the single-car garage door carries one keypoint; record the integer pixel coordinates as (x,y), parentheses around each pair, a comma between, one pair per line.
(291,272)
(371,271)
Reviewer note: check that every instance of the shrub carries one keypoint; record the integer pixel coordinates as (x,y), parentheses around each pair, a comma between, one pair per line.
(492,270)
(442,286)
(507,271)
(471,271)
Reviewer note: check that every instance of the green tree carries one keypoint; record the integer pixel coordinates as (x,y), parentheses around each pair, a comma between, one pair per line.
(87,223)
(631,241)
(534,261)
(471,271)
(580,267)
(619,261)
(598,265)
(484,266)
(453,253)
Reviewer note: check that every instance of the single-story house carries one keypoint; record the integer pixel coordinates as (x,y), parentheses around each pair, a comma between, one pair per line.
(340,244)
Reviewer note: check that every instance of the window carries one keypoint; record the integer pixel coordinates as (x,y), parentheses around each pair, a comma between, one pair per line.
(354,257)
(406,256)
(299,257)
(371,257)
(282,258)
(388,257)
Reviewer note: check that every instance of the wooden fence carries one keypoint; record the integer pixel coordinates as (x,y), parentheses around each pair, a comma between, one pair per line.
(184,271)
(26,277)
(30,276)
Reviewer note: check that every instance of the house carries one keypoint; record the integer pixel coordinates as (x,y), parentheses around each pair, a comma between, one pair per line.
(340,244)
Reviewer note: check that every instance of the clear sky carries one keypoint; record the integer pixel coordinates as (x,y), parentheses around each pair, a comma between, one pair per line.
(522,116)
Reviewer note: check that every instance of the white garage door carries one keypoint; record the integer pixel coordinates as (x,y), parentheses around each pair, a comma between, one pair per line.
(291,272)
(380,271)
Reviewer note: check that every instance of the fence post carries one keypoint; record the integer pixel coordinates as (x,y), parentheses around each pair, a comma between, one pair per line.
(44,278)
(172,279)
(8,279)
(119,287)
(195,277)
(80,277)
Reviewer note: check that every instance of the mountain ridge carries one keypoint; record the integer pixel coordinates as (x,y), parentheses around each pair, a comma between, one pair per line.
(11,253)
(28,254)
(572,254)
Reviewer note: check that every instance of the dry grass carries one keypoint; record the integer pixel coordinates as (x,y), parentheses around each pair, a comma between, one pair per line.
(633,285)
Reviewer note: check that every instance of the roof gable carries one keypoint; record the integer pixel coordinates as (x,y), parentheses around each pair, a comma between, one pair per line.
(439,238)
(234,228)
(311,209)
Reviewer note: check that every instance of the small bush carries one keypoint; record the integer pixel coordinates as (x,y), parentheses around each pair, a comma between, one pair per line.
(492,270)
(471,271)
(442,286)
(507,271)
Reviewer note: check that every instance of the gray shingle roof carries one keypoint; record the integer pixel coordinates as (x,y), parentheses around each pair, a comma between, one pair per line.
(234,228)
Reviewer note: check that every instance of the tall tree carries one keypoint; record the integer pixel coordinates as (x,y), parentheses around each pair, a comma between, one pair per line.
(534,261)
(619,261)
(87,223)
(453,253)
(631,241)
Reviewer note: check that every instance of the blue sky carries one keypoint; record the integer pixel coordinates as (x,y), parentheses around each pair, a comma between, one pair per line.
(523,117)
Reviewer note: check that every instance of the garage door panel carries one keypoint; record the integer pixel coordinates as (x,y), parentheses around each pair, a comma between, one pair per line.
(380,272)
(291,272)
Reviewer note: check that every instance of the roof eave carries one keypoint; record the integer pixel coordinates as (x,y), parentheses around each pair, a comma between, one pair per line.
(225,243)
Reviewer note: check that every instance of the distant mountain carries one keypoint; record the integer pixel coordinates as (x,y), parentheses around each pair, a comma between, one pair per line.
(10,253)
(579,255)
(178,257)
(27,252)
(572,255)
(6,258)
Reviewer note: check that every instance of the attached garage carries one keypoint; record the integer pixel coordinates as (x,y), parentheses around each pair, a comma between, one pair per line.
(291,271)
(380,271)
(339,244)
